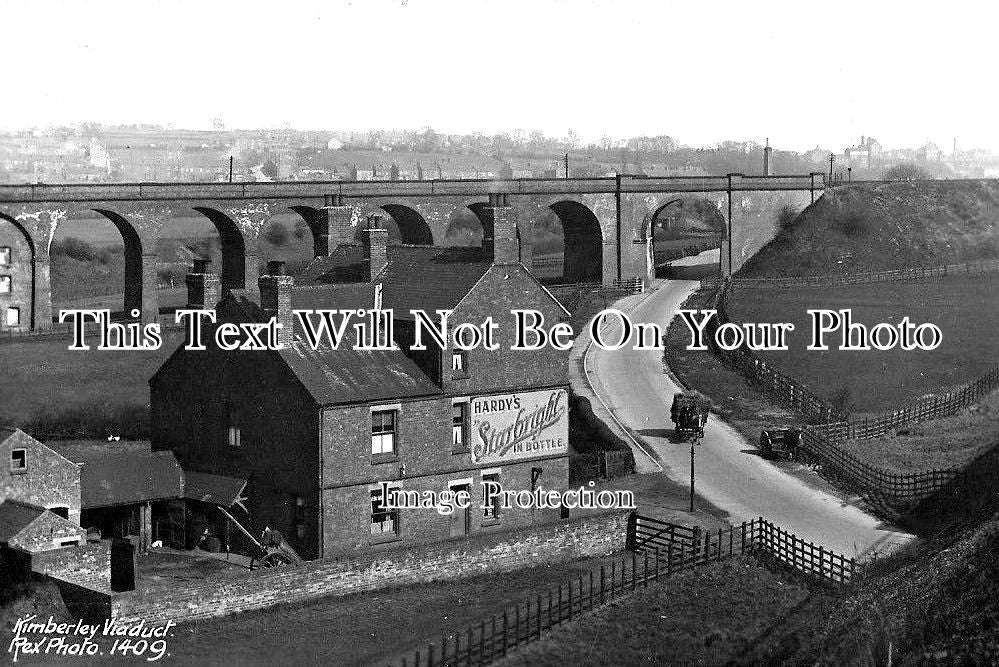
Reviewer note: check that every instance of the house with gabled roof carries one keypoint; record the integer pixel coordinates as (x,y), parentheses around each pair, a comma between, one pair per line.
(317,434)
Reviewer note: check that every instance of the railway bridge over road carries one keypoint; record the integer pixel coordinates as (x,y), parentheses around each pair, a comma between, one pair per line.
(607,222)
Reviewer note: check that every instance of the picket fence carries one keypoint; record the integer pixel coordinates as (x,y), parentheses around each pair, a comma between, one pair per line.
(659,550)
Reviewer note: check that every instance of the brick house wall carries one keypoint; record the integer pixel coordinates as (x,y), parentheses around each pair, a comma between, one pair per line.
(192,397)
(49,480)
(501,289)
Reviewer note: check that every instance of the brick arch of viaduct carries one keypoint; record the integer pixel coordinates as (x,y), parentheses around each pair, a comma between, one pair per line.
(622,210)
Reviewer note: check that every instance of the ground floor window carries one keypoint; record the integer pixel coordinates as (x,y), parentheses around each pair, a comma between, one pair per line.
(491,511)
(383,521)
(13,317)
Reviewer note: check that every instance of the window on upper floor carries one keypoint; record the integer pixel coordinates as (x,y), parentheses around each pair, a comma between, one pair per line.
(459,362)
(4,255)
(383,429)
(19,460)
(5,285)
(459,426)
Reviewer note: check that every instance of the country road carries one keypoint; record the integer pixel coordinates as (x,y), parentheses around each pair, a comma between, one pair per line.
(729,474)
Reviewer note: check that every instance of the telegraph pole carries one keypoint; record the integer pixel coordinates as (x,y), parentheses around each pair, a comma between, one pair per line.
(567,165)
(831,158)
(230,169)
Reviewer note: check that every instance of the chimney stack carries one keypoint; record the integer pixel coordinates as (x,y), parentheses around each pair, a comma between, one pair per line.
(275,300)
(339,217)
(375,248)
(506,245)
(203,287)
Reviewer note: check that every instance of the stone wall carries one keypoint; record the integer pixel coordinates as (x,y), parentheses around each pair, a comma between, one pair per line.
(586,537)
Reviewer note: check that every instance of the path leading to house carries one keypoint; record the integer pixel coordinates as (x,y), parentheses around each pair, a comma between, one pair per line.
(729,473)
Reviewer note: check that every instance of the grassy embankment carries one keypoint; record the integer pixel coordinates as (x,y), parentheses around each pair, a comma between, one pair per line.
(857,228)
(872,381)
(870,227)
(933,603)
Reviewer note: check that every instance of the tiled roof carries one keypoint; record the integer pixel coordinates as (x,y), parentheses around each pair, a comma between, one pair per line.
(344,375)
(120,474)
(430,278)
(417,277)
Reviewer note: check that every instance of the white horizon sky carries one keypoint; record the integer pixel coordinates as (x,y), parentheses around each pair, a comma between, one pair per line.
(802,74)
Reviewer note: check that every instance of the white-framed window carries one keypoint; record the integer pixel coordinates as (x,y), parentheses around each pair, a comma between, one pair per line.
(491,512)
(459,362)
(5,285)
(4,255)
(12,318)
(459,426)
(19,460)
(383,521)
(383,429)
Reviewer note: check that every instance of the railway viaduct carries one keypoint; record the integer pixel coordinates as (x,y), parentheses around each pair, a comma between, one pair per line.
(607,222)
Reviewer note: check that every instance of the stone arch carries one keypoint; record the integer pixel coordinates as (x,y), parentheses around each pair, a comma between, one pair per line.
(31,302)
(133,260)
(408,225)
(133,247)
(233,245)
(469,213)
(583,241)
(319,224)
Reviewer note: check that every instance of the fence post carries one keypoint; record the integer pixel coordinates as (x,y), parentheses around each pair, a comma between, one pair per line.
(430,655)
(697,542)
(629,542)
(603,581)
(743,548)
(634,570)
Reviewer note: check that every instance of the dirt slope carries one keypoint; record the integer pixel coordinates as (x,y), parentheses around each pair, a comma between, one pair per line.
(874,226)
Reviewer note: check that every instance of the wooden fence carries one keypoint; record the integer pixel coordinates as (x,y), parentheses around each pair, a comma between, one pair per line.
(892,275)
(759,537)
(658,550)
(820,442)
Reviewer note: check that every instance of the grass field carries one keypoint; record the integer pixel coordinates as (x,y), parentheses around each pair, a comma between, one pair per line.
(106,389)
(706,616)
(874,381)
(940,443)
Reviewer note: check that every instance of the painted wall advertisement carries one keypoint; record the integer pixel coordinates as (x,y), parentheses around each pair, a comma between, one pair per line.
(510,427)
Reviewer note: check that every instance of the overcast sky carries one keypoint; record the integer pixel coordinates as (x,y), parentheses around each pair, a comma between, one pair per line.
(800,73)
